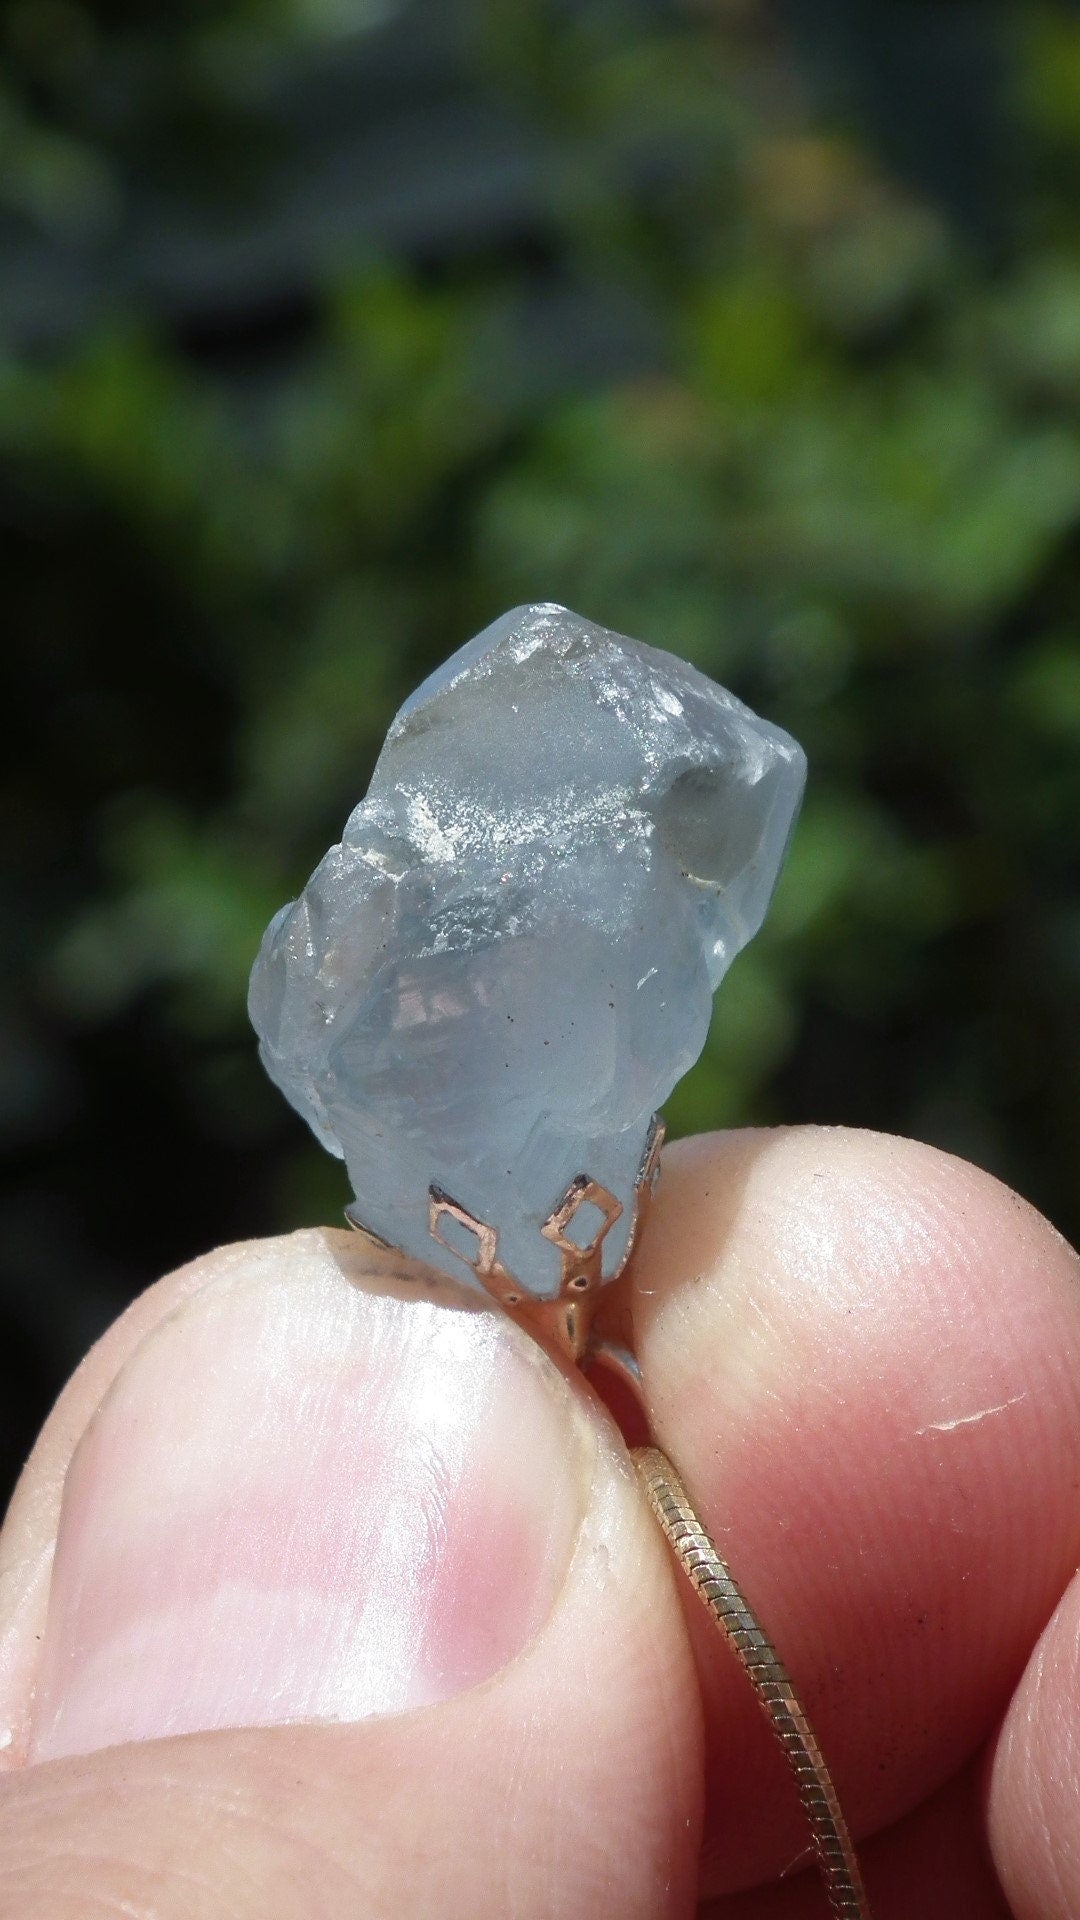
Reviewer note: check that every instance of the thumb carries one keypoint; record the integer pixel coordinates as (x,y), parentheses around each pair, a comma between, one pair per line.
(370,1584)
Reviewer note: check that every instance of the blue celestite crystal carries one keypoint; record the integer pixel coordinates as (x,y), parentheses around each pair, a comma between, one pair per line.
(499,975)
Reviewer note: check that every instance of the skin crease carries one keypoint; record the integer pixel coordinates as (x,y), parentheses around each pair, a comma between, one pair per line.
(864,1357)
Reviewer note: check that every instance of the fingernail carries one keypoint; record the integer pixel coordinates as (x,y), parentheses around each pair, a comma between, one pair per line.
(310,1495)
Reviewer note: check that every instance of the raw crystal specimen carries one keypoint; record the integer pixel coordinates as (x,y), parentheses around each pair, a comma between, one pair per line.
(498,976)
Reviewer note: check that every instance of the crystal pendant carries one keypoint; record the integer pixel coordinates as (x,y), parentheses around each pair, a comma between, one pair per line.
(486,991)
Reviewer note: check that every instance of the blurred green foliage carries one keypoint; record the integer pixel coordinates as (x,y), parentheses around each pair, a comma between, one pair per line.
(719,381)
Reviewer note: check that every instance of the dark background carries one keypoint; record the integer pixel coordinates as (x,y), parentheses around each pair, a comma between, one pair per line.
(330,328)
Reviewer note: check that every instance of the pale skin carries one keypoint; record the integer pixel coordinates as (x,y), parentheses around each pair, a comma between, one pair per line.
(400,1568)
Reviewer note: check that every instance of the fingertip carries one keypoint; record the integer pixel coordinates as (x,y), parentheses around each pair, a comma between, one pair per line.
(309,1492)
(865,1357)
(1034,1791)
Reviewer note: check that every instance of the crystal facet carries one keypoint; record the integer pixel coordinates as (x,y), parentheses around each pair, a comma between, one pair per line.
(492,983)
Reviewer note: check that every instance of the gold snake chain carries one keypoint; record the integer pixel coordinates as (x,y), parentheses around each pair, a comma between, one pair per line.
(712,1581)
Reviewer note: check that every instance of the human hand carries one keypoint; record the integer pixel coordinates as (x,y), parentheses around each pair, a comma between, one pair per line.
(385,1579)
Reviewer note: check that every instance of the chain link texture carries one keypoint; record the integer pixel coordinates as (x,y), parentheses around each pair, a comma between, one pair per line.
(712,1581)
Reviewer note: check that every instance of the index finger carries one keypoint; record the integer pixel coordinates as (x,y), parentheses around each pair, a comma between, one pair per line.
(864,1355)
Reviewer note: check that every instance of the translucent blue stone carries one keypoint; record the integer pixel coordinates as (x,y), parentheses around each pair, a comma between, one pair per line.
(496,979)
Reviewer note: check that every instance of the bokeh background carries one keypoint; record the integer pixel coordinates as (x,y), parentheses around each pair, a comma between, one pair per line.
(331,328)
